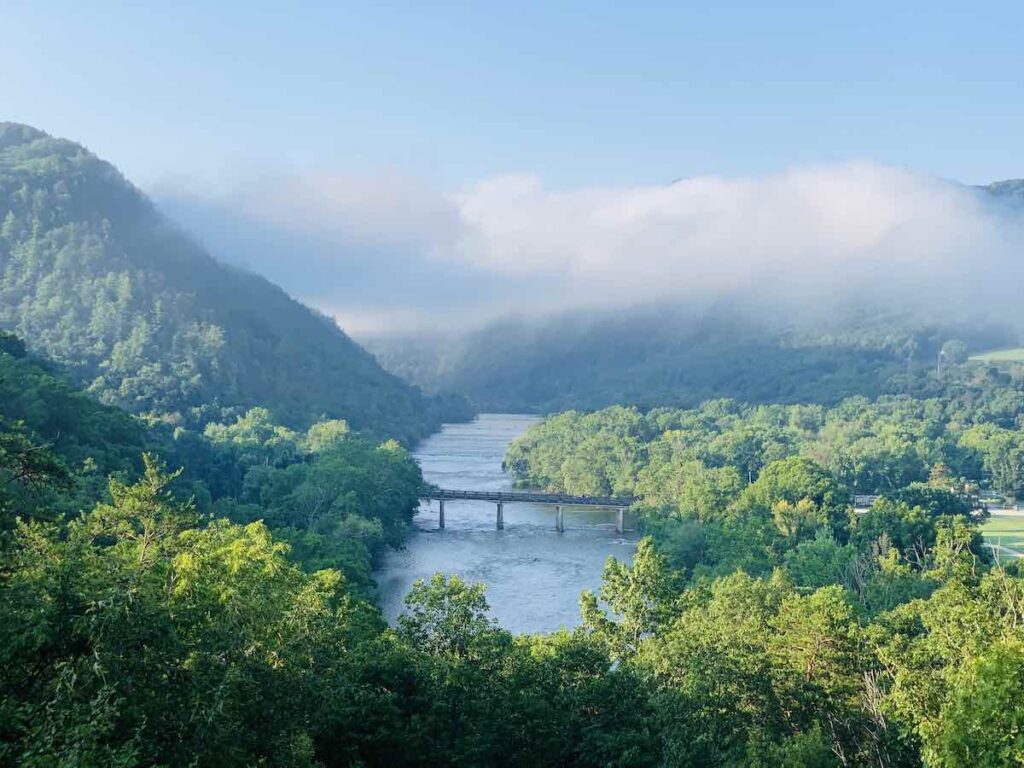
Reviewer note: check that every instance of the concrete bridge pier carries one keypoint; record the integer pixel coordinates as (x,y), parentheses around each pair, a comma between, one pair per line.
(501,516)
(620,520)
(440,513)
(560,519)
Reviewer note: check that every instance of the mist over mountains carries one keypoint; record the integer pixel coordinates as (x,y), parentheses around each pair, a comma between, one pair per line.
(392,254)
(679,356)
(809,285)
(817,283)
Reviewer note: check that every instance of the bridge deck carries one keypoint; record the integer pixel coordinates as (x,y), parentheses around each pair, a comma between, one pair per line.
(528,496)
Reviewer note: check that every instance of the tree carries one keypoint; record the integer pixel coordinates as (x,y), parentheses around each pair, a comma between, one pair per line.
(981,722)
(820,561)
(639,596)
(795,521)
(1002,455)
(713,673)
(133,637)
(912,520)
(797,481)
(954,352)
(325,434)
(24,464)
(817,651)
(143,518)
(941,657)
(446,616)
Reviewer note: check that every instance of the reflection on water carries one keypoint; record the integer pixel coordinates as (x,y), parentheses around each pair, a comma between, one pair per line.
(533,575)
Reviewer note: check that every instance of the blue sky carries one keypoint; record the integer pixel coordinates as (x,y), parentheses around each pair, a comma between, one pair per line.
(580,93)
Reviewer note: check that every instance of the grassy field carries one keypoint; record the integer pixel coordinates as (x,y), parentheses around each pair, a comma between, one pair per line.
(1008,531)
(1001,356)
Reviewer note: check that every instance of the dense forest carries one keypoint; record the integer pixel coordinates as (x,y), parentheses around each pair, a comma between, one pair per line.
(897,628)
(171,596)
(727,486)
(973,432)
(94,278)
(673,356)
(336,495)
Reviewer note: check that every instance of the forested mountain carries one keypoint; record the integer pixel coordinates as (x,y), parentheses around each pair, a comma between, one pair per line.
(671,356)
(93,277)
(762,346)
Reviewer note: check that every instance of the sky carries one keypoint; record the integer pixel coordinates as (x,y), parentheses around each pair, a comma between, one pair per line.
(398,163)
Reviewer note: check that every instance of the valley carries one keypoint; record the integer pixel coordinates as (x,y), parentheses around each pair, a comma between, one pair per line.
(503,468)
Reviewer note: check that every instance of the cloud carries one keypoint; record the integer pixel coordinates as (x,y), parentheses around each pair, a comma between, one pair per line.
(858,223)
(403,253)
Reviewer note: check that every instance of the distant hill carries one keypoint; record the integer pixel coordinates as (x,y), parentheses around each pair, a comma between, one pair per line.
(93,277)
(655,357)
(679,356)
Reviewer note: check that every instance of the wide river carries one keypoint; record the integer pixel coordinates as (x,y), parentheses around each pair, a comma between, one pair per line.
(533,575)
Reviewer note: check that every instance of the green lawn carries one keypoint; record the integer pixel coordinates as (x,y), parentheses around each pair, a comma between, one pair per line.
(1008,531)
(1001,356)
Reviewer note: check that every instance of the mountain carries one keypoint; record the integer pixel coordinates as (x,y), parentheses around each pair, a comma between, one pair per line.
(94,277)
(674,357)
(796,347)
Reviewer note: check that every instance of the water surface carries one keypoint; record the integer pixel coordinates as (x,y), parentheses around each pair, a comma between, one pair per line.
(533,575)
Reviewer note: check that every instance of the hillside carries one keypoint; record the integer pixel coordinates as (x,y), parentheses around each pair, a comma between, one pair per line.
(96,279)
(658,357)
(761,344)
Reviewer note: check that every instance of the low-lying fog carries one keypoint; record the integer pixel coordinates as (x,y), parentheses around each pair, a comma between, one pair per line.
(391,254)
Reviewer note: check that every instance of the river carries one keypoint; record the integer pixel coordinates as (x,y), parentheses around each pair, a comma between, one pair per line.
(533,575)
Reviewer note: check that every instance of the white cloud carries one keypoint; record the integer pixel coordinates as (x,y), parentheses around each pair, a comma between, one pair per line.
(706,235)
(831,229)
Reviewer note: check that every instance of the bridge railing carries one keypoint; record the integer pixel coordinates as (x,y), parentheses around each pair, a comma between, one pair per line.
(501,498)
(526,496)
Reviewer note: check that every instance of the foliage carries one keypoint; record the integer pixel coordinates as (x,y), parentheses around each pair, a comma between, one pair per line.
(696,461)
(338,496)
(760,625)
(219,613)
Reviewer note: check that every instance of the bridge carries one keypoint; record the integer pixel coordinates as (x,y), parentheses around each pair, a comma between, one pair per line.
(500,498)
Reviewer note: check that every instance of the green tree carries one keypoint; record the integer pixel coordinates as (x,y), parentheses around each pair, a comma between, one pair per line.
(981,722)
(639,596)
(809,498)
(446,616)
